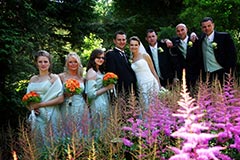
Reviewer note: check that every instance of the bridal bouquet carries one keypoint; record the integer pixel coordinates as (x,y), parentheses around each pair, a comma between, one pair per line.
(31,97)
(72,86)
(110,78)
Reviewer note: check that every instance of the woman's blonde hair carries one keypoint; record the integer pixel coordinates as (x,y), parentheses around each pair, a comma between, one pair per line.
(76,56)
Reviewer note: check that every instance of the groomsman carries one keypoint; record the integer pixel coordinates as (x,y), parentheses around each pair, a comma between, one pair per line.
(163,61)
(217,51)
(117,62)
(187,55)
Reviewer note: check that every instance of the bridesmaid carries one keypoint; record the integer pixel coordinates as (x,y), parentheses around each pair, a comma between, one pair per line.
(74,107)
(97,94)
(45,114)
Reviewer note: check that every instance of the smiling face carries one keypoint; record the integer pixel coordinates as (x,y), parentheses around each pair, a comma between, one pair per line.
(181,31)
(43,63)
(120,41)
(151,38)
(99,60)
(134,46)
(72,64)
(207,27)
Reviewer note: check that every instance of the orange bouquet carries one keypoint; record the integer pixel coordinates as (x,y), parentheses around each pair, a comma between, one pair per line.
(32,96)
(109,78)
(72,86)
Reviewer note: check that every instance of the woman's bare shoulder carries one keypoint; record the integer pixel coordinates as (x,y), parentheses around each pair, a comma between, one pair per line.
(62,76)
(91,74)
(34,78)
(145,55)
(53,77)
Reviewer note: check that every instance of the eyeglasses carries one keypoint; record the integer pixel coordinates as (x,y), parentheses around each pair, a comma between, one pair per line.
(103,58)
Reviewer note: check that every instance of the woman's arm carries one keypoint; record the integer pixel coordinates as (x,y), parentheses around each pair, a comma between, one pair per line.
(57,100)
(91,75)
(52,102)
(150,64)
(61,76)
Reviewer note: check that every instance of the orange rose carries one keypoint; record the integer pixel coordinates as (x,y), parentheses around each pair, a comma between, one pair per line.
(32,96)
(109,78)
(72,86)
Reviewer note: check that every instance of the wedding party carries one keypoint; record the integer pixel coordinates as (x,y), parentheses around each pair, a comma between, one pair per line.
(117,80)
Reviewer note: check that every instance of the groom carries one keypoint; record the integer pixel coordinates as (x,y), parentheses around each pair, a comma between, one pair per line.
(118,63)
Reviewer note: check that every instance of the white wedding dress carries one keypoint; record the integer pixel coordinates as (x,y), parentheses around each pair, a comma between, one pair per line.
(147,83)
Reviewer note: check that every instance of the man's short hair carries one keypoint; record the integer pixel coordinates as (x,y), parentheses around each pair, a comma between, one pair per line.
(205,19)
(119,32)
(150,31)
(181,24)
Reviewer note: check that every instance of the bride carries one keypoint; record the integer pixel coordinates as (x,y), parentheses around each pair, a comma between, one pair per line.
(142,65)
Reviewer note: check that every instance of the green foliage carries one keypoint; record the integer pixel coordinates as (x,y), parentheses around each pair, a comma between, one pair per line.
(223,12)
(83,25)
(135,17)
(103,7)
(166,32)
(63,149)
(91,42)
(146,14)
(27,26)
(232,152)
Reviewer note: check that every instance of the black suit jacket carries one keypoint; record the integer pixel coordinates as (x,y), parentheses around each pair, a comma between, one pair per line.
(192,61)
(165,61)
(116,63)
(225,53)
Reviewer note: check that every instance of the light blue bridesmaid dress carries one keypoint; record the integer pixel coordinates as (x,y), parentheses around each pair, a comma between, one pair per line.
(99,105)
(49,116)
(74,113)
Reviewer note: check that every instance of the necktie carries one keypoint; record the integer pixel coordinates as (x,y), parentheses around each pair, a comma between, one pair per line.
(124,56)
(155,61)
(154,50)
(183,48)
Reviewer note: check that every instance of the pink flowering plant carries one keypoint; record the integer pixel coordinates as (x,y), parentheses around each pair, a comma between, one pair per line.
(195,139)
(151,134)
(203,125)
(224,117)
(203,128)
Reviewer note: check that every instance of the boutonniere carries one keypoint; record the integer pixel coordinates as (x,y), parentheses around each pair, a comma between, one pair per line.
(160,49)
(190,44)
(130,60)
(214,45)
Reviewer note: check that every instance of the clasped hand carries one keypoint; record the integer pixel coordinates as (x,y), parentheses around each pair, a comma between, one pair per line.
(110,86)
(35,107)
(68,94)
